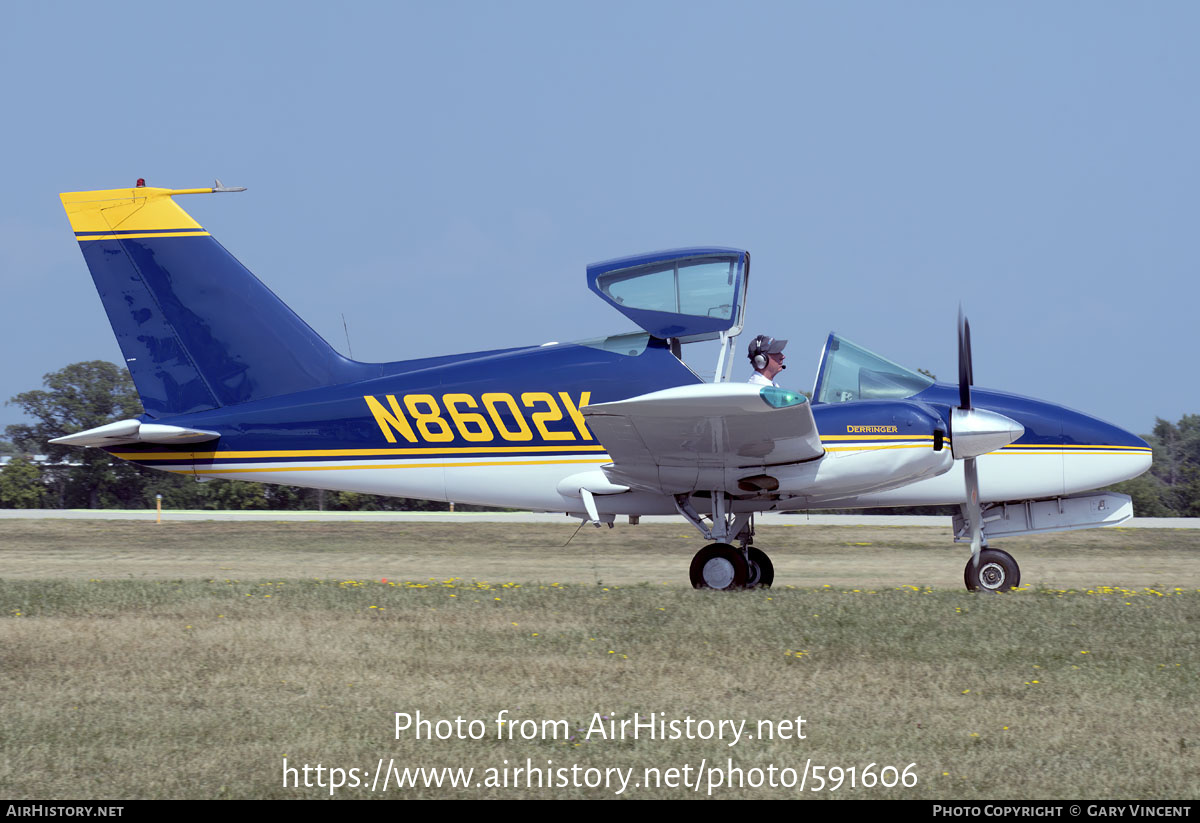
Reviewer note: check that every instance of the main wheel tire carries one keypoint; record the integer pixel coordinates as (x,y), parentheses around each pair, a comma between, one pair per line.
(719,566)
(997,572)
(765,568)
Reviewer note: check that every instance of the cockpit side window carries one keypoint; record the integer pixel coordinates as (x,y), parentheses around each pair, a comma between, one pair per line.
(850,372)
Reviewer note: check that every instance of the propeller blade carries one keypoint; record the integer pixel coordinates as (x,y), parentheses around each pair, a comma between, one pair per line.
(966,375)
(975,432)
(971,508)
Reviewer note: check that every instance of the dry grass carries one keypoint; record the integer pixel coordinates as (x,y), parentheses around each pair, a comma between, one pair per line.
(223,655)
(803,555)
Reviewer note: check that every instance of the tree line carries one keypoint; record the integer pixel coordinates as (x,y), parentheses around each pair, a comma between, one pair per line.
(85,395)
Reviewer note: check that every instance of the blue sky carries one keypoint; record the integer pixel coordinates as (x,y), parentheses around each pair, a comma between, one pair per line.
(441,173)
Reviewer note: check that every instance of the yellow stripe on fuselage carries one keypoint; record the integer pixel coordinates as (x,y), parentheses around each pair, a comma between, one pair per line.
(230,455)
(1039,452)
(878,437)
(181,457)
(299,467)
(879,447)
(1034,446)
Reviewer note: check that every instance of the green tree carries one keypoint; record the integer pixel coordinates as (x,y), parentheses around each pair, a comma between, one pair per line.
(1151,497)
(234,495)
(79,397)
(1178,448)
(1171,488)
(21,485)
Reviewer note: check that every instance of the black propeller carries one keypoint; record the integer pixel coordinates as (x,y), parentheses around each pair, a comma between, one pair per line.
(966,379)
(975,432)
(966,376)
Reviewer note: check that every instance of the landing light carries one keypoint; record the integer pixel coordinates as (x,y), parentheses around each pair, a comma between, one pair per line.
(781,398)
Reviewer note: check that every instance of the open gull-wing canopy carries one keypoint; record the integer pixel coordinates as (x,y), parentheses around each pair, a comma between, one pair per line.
(688,294)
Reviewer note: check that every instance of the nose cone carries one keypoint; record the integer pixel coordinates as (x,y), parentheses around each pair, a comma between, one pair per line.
(1097,453)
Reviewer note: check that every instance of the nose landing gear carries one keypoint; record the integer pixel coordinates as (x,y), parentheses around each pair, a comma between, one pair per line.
(997,571)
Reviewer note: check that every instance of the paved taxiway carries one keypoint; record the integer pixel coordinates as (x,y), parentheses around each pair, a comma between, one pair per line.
(772,518)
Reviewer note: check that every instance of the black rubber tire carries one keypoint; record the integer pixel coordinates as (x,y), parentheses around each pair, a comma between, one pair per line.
(719,566)
(766,569)
(997,572)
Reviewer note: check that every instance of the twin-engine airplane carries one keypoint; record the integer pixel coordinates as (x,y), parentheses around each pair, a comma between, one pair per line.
(235,385)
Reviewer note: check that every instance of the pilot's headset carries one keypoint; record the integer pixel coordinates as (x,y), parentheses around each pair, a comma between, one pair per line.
(762,346)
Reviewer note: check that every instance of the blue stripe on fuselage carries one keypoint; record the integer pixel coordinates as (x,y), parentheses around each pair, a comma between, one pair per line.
(1045,423)
(338,417)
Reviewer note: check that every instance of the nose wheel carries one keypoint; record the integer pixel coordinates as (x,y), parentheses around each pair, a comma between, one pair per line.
(996,571)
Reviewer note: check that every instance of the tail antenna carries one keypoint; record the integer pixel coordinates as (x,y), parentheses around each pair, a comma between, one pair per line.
(346,328)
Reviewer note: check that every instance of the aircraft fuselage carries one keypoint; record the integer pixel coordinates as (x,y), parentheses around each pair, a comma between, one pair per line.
(502,428)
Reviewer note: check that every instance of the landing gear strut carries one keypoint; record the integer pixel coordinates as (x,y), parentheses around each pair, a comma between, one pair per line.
(720,565)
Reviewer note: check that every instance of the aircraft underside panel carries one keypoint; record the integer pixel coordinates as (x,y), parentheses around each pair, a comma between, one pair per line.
(526,485)
(1084,511)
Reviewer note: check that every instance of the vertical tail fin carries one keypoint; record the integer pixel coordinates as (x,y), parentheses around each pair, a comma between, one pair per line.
(198,330)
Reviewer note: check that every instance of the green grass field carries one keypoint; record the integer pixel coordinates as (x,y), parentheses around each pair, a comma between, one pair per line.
(190,659)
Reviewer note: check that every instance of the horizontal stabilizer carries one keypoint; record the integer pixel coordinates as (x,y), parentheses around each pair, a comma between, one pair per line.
(135,431)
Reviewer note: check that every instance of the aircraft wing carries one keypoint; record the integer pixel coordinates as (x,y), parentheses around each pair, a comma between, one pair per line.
(710,436)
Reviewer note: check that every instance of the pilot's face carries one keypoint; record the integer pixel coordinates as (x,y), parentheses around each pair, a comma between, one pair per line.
(774,365)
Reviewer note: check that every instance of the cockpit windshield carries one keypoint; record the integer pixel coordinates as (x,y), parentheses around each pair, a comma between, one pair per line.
(850,372)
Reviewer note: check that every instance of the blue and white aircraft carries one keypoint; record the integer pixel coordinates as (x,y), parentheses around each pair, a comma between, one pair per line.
(235,385)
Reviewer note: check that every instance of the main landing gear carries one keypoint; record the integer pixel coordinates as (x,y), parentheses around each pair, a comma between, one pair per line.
(720,565)
(723,567)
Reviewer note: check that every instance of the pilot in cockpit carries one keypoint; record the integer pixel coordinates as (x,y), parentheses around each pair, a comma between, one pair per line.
(766,358)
